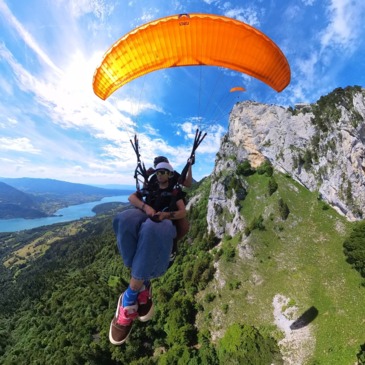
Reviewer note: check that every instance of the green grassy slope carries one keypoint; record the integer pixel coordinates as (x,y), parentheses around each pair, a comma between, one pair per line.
(301,258)
(57,308)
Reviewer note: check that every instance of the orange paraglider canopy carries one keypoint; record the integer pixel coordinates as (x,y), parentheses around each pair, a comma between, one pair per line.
(237,88)
(187,40)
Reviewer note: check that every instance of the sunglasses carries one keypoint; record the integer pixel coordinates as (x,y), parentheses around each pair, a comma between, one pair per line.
(162,172)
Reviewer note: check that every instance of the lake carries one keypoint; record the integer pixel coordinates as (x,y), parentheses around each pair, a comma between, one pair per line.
(71,213)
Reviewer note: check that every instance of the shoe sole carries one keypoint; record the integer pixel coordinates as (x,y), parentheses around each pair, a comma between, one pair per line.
(117,343)
(148,316)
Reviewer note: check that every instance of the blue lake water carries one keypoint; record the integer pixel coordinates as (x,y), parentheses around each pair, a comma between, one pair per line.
(71,213)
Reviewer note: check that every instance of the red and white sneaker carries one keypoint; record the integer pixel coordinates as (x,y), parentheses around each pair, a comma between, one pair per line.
(121,325)
(145,303)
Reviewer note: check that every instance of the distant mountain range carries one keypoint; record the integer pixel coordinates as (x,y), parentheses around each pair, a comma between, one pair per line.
(36,198)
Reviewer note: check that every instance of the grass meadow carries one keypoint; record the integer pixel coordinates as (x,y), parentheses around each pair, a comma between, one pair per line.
(300,258)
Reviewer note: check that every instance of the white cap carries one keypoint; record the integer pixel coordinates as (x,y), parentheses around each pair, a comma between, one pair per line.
(164,166)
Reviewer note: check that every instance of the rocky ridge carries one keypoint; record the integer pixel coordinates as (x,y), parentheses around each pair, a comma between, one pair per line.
(320,145)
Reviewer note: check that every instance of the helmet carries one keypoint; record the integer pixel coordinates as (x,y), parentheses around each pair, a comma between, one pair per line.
(159,159)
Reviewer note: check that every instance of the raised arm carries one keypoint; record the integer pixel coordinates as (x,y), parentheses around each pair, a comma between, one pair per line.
(189,177)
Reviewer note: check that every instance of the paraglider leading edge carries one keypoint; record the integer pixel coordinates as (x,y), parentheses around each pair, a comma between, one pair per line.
(177,41)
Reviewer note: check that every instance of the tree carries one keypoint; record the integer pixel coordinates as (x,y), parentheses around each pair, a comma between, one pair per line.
(245,168)
(244,344)
(283,209)
(180,319)
(272,186)
(361,355)
(265,168)
(354,248)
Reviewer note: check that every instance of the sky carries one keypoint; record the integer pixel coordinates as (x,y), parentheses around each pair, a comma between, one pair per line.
(52,125)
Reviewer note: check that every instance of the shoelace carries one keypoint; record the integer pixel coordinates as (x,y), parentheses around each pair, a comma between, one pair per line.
(143,296)
(126,316)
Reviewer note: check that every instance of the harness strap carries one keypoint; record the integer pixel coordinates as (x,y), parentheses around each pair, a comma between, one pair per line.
(191,160)
(141,168)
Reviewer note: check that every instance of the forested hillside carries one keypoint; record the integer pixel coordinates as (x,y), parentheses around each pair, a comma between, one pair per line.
(34,198)
(15,203)
(56,308)
(57,187)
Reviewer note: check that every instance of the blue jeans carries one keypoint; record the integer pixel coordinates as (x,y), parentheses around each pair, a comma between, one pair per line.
(144,245)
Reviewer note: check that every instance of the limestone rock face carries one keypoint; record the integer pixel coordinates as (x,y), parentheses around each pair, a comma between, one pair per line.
(320,145)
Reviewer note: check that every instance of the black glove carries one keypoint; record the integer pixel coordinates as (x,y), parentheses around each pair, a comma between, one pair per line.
(150,171)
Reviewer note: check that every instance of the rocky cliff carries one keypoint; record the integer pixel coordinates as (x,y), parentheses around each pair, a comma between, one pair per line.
(320,145)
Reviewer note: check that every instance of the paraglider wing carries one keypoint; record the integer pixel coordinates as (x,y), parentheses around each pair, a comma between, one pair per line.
(237,88)
(187,40)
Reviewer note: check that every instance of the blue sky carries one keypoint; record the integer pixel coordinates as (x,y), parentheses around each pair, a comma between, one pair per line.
(53,126)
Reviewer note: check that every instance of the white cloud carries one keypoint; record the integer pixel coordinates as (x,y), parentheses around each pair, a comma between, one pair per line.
(212,140)
(150,130)
(345,23)
(135,107)
(17,144)
(292,12)
(12,121)
(316,68)
(25,35)
(6,160)
(99,8)
(69,100)
(307,67)
(189,129)
(249,15)
(4,85)
(148,15)
(9,122)
(67,93)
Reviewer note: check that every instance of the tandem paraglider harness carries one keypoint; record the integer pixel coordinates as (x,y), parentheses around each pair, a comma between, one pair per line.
(150,192)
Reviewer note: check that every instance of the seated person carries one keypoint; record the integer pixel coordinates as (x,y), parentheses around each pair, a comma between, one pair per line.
(145,240)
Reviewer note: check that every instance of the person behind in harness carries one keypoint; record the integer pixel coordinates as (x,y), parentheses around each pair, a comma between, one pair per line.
(175,179)
(145,239)
(182,225)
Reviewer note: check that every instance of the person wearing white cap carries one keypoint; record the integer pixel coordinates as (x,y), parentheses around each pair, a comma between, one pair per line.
(188,181)
(145,241)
